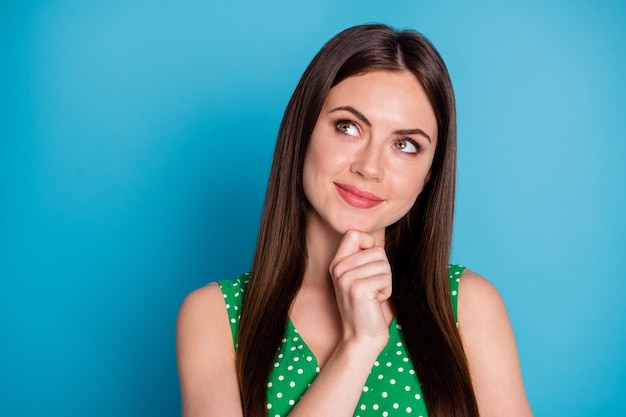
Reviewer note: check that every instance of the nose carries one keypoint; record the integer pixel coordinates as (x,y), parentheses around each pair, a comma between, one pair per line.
(368,163)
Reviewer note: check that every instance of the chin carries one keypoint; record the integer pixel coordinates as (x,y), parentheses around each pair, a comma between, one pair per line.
(364,227)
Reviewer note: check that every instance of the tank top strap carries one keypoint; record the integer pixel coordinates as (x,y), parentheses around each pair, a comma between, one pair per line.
(455,272)
(233,291)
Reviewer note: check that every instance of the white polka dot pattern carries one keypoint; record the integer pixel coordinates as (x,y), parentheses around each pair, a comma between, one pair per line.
(392,388)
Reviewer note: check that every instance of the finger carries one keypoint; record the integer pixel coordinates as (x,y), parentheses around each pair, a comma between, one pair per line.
(352,242)
(375,287)
(361,305)
(361,265)
(351,261)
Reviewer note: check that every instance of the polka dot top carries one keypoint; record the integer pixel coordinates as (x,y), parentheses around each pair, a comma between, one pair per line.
(392,388)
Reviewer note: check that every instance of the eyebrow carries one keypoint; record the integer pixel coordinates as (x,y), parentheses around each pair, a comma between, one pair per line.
(365,120)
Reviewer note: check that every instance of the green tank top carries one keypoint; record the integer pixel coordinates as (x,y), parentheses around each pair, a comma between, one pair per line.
(392,388)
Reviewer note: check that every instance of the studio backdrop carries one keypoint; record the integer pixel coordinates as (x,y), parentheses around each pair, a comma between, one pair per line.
(135,144)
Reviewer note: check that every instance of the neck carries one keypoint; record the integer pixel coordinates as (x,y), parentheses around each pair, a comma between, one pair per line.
(321,244)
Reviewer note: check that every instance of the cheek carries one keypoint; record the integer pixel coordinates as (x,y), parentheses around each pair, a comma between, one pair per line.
(314,166)
(412,180)
(323,160)
(406,207)
(406,194)
(411,196)
(306,176)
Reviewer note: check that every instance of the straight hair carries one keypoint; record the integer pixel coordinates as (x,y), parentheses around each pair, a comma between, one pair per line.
(418,245)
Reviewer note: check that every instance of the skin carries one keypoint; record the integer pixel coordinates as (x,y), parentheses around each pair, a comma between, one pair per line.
(376,133)
(360,140)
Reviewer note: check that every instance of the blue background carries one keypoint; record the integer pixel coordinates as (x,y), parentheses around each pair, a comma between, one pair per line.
(135,142)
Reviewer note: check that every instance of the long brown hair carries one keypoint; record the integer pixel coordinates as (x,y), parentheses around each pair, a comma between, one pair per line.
(418,246)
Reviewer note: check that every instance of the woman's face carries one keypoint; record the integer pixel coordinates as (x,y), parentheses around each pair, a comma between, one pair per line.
(370,152)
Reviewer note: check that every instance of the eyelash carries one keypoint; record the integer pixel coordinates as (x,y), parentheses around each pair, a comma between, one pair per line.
(416,145)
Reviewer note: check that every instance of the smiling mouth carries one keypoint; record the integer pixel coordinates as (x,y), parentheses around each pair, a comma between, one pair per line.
(356,197)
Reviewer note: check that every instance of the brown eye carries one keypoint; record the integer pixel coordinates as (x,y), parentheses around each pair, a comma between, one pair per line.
(344,126)
(406,145)
(347,128)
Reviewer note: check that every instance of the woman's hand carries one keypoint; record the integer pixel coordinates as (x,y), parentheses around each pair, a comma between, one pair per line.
(361,275)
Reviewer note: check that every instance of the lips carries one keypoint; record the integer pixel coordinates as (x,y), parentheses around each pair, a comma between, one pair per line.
(356,197)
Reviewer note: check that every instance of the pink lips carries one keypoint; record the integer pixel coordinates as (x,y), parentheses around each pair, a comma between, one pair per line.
(357,197)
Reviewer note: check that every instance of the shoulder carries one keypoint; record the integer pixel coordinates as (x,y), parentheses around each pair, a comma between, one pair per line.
(202,304)
(205,354)
(208,307)
(481,310)
(202,324)
(490,347)
(478,296)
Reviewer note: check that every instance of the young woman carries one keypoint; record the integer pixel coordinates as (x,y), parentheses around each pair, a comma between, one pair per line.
(351,308)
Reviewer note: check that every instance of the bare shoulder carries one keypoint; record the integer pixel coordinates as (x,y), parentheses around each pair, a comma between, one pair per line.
(201,307)
(202,318)
(205,355)
(478,296)
(489,344)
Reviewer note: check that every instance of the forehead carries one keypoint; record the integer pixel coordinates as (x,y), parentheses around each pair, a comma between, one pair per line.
(376,82)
